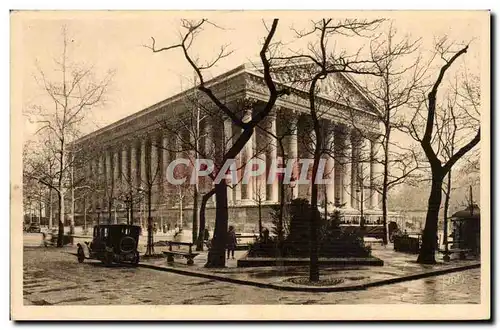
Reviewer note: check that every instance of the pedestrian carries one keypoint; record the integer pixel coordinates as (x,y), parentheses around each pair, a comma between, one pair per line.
(206,234)
(231,242)
(265,234)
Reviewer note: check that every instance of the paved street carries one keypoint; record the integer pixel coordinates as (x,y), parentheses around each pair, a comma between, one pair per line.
(54,277)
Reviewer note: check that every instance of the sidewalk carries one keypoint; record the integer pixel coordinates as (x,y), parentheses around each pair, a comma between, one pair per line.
(397,267)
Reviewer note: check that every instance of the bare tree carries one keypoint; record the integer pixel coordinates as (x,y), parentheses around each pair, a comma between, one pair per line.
(426,118)
(399,79)
(325,62)
(73,95)
(216,256)
(188,132)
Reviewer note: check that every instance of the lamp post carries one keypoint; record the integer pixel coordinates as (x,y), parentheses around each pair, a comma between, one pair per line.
(127,206)
(85,213)
(361,210)
(98,210)
(293,184)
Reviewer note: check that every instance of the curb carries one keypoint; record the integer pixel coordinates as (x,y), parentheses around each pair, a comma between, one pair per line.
(312,289)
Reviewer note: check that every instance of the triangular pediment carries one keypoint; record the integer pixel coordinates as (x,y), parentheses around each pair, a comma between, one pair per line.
(341,88)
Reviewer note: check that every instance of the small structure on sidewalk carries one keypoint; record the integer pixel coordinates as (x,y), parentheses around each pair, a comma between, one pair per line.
(466,230)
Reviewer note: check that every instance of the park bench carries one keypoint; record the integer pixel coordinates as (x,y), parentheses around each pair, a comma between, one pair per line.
(244,246)
(188,255)
(461,252)
(374,241)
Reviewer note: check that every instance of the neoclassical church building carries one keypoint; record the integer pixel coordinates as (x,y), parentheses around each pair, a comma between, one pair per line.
(126,162)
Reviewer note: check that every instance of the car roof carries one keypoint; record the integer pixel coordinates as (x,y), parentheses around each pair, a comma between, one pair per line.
(117,226)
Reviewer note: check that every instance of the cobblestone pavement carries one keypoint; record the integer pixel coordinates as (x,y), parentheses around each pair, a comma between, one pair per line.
(54,277)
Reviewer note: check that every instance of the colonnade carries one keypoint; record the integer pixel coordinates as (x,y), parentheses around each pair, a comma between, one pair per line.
(351,163)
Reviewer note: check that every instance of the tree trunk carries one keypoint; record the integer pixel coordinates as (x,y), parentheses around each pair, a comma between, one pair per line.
(131,210)
(40,211)
(325,204)
(216,255)
(60,233)
(72,217)
(385,184)
(110,206)
(260,215)
(195,215)
(281,236)
(50,209)
(85,214)
(203,206)
(428,248)
(150,247)
(447,198)
(313,244)
(181,209)
(384,214)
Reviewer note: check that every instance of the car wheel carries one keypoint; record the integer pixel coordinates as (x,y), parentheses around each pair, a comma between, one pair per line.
(136,259)
(80,255)
(108,259)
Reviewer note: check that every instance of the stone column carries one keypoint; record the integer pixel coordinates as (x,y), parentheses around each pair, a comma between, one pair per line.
(237,185)
(143,180)
(109,172)
(165,158)
(365,173)
(209,150)
(124,175)
(272,158)
(375,173)
(95,180)
(247,154)
(134,183)
(143,174)
(109,178)
(102,181)
(347,183)
(293,151)
(330,167)
(260,147)
(354,171)
(133,166)
(115,178)
(155,173)
(310,154)
(116,169)
(228,141)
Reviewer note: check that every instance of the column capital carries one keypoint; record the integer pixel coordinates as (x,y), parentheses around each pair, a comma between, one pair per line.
(246,102)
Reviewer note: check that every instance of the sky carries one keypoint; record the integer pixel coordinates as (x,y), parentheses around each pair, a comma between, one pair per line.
(115,41)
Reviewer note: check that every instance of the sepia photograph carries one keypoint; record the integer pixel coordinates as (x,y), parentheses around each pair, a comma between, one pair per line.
(294,165)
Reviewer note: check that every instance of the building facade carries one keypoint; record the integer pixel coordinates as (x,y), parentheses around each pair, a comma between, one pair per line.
(127,161)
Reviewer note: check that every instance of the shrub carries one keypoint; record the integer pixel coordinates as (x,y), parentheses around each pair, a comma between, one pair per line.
(337,242)
(264,248)
(333,241)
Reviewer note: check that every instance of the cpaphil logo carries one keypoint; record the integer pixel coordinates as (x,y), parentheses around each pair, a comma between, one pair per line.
(183,170)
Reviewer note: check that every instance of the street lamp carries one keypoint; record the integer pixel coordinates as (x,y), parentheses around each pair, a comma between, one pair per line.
(362,220)
(98,210)
(127,206)
(293,184)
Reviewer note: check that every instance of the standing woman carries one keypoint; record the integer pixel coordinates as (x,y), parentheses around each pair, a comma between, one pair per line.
(231,242)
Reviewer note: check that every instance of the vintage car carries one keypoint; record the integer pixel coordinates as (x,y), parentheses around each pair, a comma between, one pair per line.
(34,228)
(112,243)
